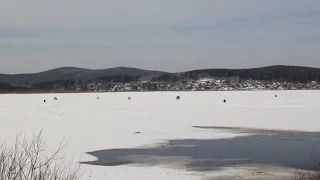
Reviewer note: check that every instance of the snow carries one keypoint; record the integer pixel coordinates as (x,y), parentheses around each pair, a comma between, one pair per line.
(88,124)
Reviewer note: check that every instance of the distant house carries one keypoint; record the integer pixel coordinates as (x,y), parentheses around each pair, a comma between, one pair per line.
(234,79)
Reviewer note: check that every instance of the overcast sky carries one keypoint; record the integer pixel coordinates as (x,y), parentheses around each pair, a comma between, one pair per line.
(169,35)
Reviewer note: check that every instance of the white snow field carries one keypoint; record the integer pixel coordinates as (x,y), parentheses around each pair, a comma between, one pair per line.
(111,124)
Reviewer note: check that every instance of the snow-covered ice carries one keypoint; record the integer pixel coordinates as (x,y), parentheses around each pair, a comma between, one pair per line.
(153,119)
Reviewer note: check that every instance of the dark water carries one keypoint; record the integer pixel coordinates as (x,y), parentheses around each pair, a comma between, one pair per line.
(276,148)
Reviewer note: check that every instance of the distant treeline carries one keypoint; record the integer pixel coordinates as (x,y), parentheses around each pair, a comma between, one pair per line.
(117,79)
(66,85)
(56,85)
(271,73)
(7,88)
(61,86)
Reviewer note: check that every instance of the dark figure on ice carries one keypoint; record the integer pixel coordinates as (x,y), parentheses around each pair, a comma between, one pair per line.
(224,101)
(129,98)
(44,101)
(55,98)
(178,97)
(276,96)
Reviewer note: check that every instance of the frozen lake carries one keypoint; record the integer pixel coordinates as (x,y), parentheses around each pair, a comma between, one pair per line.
(155,136)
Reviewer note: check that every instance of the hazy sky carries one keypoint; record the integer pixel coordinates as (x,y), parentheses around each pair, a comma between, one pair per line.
(170,35)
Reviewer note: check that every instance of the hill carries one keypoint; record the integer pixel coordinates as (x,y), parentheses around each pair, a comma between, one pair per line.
(277,73)
(71,73)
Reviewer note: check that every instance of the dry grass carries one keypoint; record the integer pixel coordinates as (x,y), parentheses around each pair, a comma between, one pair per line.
(29,160)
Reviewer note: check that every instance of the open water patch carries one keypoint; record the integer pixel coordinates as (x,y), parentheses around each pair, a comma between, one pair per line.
(289,149)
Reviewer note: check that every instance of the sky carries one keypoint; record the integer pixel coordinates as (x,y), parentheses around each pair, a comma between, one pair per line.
(167,35)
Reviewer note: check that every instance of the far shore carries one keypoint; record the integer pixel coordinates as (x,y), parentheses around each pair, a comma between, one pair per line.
(85,92)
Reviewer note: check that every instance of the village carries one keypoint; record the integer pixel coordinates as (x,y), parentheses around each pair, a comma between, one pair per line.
(200,85)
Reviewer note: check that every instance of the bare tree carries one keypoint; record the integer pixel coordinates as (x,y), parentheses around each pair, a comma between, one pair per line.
(29,160)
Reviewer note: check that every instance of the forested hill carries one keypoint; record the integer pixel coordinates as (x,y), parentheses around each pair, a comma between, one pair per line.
(276,73)
(74,78)
(72,73)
